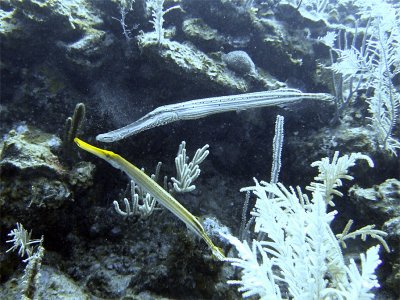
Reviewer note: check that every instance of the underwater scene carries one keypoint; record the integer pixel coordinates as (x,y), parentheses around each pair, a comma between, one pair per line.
(199,149)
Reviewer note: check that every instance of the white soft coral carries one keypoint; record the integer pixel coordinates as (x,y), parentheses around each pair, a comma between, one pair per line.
(301,257)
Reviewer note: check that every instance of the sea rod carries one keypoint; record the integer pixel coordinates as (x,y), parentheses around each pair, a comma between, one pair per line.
(199,108)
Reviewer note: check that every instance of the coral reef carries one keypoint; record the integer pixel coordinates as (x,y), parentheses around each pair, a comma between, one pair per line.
(123,59)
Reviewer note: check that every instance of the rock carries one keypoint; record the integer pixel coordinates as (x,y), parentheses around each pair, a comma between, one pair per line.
(52,285)
(33,174)
(383,199)
(70,25)
(27,151)
(81,175)
(188,61)
(202,34)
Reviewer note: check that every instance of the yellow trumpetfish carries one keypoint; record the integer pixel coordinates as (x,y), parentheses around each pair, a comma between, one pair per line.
(154,189)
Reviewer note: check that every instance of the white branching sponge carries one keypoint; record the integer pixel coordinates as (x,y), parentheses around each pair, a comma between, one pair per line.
(143,204)
(187,173)
(300,257)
